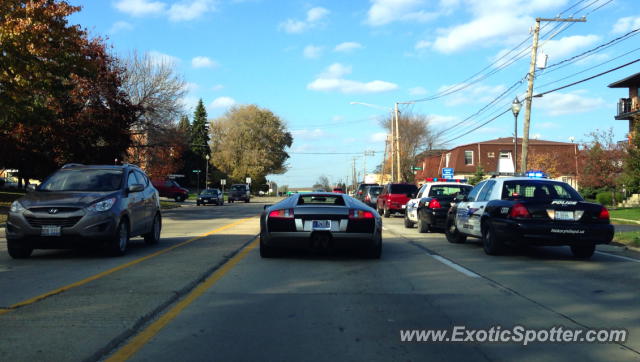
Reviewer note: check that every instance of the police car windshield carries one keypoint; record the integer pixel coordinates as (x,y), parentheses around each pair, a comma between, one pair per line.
(539,190)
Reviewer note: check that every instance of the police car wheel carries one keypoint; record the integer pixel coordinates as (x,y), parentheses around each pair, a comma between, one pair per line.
(453,234)
(583,251)
(408,223)
(490,242)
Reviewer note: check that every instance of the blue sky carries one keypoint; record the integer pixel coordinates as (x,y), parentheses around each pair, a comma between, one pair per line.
(307,60)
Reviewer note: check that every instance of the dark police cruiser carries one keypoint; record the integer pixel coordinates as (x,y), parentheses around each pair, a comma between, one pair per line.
(320,220)
(531,211)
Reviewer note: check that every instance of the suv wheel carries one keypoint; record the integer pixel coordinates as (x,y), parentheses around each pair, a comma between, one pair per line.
(120,241)
(18,251)
(153,236)
(387,213)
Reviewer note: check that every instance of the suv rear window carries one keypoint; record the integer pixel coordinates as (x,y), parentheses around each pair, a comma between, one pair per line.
(539,190)
(403,189)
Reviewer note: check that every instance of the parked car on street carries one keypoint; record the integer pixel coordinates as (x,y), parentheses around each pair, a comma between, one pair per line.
(528,211)
(430,206)
(371,195)
(171,189)
(359,194)
(84,205)
(394,197)
(338,190)
(320,221)
(210,196)
(239,192)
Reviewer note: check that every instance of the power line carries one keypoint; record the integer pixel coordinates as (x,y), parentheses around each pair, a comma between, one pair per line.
(480,126)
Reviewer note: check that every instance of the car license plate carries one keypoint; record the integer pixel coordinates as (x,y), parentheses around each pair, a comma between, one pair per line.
(321,225)
(50,230)
(564,215)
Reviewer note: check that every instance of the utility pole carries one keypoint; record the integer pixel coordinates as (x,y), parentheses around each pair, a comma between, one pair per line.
(531,76)
(384,160)
(364,164)
(397,150)
(354,179)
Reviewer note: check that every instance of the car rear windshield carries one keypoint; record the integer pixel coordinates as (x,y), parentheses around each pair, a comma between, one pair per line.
(83,180)
(325,200)
(448,190)
(375,190)
(238,188)
(209,192)
(403,189)
(539,190)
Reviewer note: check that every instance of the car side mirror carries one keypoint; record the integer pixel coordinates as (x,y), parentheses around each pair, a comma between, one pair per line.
(462,198)
(135,188)
(31,188)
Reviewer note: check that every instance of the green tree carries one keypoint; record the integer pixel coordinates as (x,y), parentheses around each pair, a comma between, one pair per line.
(631,174)
(601,162)
(184,126)
(477,176)
(200,132)
(249,141)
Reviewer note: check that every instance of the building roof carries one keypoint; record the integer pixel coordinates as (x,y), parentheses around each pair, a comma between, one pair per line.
(630,81)
(509,141)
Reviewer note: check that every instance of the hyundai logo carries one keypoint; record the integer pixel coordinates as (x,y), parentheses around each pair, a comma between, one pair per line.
(53,211)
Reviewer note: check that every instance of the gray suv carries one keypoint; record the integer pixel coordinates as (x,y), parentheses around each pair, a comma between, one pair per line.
(82,205)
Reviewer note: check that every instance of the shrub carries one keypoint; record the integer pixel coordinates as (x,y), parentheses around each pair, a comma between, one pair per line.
(606,198)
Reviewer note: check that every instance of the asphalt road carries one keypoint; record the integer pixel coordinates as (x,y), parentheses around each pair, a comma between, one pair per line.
(211,297)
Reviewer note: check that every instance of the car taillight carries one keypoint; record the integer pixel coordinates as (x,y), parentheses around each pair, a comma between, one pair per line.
(360,214)
(282,214)
(434,204)
(604,214)
(519,211)
(367,198)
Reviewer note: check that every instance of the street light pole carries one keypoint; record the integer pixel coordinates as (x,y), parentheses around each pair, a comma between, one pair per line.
(206,172)
(515,109)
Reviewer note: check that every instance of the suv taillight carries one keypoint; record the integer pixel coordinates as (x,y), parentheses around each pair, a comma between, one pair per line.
(360,214)
(604,214)
(519,211)
(282,214)
(434,204)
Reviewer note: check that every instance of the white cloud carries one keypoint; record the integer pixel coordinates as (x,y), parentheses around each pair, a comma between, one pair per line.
(557,104)
(119,26)
(140,7)
(439,120)
(422,44)
(203,62)
(332,80)
(189,103)
(558,49)
(337,118)
(314,18)
(417,91)
(191,87)
(626,24)
(347,47)
(312,51)
(161,58)
(223,102)
(189,10)
(308,133)
(383,12)
(378,137)
(217,87)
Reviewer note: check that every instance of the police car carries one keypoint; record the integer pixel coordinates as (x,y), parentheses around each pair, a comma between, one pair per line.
(429,208)
(528,210)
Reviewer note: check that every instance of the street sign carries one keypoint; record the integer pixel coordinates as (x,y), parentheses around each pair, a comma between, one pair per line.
(223,182)
(416,168)
(447,172)
(197,171)
(248,180)
(175,176)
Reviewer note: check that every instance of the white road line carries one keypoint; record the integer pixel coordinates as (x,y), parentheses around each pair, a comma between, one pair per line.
(618,256)
(455,266)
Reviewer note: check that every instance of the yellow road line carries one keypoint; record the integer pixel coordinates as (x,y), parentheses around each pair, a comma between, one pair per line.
(118,268)
(154,328)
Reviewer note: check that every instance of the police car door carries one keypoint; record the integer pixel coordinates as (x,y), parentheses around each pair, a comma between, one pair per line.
(477,207)
(412,205)
(466,210)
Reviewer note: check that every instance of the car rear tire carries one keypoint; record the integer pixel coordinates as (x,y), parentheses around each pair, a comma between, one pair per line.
(491,244)
(453,234)
(120,241)
(246,201)
(266,251)
(17,251)
(408,223)
(375,250)
(583,251)
(386,212)
(423,226)
(153,236)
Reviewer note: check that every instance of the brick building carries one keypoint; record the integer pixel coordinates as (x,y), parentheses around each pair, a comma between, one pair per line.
(497,156)
(629,108)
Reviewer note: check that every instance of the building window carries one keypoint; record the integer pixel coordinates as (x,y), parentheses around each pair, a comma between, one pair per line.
(468,157)
(505,154)
(491,154)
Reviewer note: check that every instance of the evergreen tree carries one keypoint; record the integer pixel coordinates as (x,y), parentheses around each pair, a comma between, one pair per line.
(477,176)
(184,126)
(200,132)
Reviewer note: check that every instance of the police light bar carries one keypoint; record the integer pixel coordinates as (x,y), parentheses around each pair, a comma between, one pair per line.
(536,174)
(437,179)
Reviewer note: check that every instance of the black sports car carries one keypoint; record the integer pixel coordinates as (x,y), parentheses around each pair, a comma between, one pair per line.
(320,221)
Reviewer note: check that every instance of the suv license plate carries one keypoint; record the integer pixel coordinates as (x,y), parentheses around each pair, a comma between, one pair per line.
(564,215)
(321,225)
(50,230)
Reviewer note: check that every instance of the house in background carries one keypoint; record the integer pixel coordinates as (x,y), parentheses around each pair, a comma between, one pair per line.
(498,156)
(628,108)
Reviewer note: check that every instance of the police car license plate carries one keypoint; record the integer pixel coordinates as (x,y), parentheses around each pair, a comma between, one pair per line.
(50,230)
(564,215)
(321,224)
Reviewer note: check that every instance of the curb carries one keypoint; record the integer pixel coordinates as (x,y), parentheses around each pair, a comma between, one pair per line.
(626,220)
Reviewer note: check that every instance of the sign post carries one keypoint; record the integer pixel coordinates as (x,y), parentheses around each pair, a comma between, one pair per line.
(222,183)
(447,172)
(198,173)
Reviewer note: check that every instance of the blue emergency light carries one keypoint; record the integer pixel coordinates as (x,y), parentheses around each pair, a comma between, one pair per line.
(536,174)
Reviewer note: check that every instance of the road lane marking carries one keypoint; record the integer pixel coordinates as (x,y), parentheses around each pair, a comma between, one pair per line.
(118,268)
(618,256)
(455,266)
(140,340)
